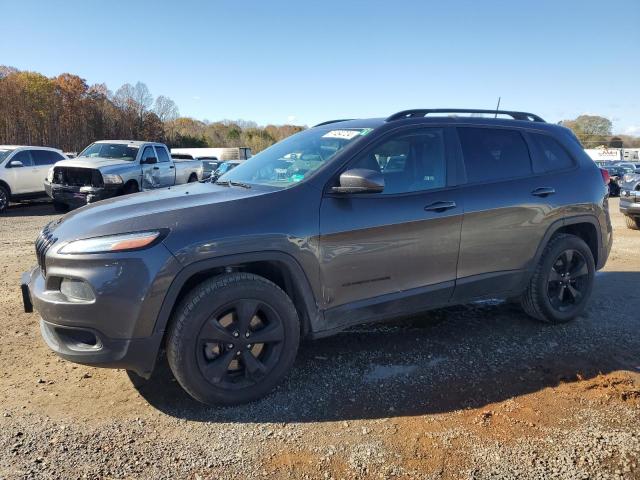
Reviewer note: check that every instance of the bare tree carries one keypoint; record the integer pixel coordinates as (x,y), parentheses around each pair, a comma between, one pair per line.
(165,108)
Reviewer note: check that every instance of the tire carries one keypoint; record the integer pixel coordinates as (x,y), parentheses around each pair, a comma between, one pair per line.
(633,223)
(209,341)
(130,187)
(60,207)
(550,295)
(192,178)
(4,199)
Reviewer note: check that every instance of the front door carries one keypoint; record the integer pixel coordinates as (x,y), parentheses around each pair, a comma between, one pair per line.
(26,179)
(384,252)
(150,169)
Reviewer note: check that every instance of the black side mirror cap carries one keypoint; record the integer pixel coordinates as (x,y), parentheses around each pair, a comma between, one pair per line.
(360,180)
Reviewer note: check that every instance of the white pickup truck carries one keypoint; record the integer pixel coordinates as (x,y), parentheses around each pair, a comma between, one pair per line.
(22,171)
(109,168)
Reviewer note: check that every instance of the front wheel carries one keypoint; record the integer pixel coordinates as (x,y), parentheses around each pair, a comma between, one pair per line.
(4,199)
(562,282)
(232,339)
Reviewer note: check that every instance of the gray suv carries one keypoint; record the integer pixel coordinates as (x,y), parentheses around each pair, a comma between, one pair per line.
(349,222)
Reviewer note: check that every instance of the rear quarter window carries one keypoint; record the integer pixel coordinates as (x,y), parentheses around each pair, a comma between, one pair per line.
(492,154)
(549,155)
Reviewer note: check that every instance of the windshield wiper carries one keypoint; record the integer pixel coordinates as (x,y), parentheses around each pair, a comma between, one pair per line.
(231,183)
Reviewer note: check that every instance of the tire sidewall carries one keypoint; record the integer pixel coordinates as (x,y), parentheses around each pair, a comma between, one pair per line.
(197,308)
(567,243)
(4,199)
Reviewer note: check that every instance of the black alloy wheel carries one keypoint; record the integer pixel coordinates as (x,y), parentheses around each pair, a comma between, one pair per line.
(567,280)
(240,344)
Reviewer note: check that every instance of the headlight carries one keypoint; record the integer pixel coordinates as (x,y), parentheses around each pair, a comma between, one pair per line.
(108,178)
(50,175)
(112,243)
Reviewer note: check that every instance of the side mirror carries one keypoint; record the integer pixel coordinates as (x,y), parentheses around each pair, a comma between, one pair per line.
(16,164)
(360,180)
(149,161)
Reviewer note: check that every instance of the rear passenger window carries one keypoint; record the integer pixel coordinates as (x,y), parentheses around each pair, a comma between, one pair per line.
(494,154)
(45,157)
(550,155)
(163,156)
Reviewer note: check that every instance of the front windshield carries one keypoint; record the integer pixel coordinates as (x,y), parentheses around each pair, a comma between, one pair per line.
(120,151)
(294,159)
(4,154)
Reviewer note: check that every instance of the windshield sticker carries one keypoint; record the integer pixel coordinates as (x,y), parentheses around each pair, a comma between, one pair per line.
(343,134)
(366,131)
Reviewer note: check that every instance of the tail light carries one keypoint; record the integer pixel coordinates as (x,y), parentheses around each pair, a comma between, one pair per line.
(606,178)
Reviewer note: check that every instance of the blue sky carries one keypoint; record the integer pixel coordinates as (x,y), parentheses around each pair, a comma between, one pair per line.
(309,61)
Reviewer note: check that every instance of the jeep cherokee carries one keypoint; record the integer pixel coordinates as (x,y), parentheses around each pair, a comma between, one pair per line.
(348,222)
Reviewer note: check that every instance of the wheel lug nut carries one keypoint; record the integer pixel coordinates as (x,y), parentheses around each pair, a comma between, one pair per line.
(235,334)
(249,346)
(238,352)
(230,346)
(246,334)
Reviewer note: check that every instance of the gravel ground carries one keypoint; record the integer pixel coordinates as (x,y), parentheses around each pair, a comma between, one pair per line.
(477,391)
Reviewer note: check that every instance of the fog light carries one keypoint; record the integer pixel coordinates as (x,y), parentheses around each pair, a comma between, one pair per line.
(76,290)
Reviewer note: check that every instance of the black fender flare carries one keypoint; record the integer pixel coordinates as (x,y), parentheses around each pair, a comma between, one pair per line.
(311,310)
(563,222)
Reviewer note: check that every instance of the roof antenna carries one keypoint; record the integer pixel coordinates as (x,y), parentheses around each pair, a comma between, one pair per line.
(497,108)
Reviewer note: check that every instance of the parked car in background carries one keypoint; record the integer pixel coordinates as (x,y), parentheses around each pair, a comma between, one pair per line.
(110,168)
(209,164)
(630,199)
(22,171)
(616,175)
(630,165)
(212,157)
(224,168)
(312,236)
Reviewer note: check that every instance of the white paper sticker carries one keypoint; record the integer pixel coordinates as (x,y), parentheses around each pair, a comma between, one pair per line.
(343,134)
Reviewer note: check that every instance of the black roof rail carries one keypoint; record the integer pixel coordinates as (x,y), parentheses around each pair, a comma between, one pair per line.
(422,112)
(332,121)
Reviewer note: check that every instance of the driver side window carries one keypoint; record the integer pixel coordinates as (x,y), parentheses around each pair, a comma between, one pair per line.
(147,153)
(409,162)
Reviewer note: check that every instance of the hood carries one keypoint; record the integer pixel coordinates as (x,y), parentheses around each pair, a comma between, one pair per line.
(161,208)
(92,162)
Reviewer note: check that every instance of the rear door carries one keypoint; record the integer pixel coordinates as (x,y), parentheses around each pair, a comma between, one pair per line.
(508,208)
(381,249)
(167,170)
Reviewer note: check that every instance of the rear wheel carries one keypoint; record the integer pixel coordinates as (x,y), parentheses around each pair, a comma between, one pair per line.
(192,178)
(562,282)
(4,199)
(232,339)
(632,222)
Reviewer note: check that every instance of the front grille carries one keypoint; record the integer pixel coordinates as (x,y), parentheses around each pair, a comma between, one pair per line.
(43,244)
(77,177)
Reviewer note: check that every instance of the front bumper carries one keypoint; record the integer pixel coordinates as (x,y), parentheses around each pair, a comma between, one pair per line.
(630,202)
(75,196)
(116,329)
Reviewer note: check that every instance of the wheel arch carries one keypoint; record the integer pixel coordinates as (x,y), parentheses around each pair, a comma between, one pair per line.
(6,186)
(586,227)
(278,267)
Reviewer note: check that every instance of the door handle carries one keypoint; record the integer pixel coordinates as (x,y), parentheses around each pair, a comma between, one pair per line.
(171,166)
(440,206)
(156,168)
(543,191)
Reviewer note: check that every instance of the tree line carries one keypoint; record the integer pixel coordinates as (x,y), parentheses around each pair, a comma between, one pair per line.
(67,113)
